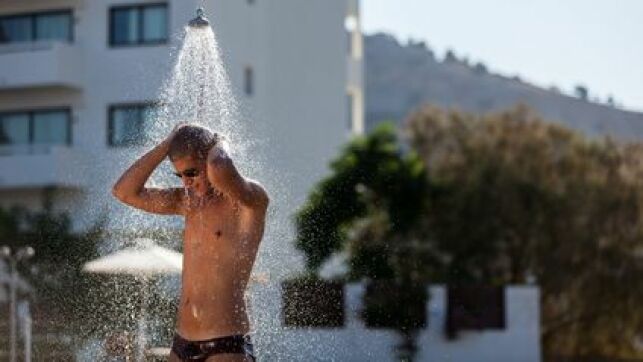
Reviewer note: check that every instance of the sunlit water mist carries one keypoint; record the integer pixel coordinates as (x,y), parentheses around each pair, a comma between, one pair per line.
(198,91)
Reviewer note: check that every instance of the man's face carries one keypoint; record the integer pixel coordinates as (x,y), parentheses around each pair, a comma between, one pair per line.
(193,174)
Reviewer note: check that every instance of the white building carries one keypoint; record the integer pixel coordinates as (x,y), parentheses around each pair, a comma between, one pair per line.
(76,77)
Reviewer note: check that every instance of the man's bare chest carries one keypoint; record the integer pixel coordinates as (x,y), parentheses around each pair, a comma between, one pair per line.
(215,224)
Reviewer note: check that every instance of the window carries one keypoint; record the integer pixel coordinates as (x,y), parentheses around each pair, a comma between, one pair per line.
(138,25)
(55,25)
(128,124)
(248,83)
(45,127)
(50,127)
(474,307)
(14,129)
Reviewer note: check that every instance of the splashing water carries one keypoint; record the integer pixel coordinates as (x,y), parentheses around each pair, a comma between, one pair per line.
(199,91)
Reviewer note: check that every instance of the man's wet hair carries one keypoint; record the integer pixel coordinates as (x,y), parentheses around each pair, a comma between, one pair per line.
(192,140)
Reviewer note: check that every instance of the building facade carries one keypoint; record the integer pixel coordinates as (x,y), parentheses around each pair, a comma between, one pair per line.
(77,79)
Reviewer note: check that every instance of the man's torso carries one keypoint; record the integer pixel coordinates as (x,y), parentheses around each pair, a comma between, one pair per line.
(220,244)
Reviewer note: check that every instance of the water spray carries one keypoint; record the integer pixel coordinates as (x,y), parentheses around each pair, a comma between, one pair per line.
(200,22)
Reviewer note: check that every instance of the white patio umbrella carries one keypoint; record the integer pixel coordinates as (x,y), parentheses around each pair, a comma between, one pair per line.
(144,259)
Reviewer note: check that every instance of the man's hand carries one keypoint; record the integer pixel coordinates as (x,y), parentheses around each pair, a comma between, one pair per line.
(174,130)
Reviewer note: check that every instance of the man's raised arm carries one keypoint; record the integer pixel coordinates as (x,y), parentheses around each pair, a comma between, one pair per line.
(224,176)
(130,187)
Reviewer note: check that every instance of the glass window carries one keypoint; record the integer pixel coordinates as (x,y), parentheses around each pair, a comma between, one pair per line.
(53,26)
(47,127)
(15,29)
(154,24)
(125,26)
(143,24)
(14,128)
(51,127)
(36,26)
(128,124)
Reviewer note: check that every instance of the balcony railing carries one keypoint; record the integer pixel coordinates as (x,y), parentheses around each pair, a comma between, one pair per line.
(40,64)
(29,166)
(26,149)
(27,46)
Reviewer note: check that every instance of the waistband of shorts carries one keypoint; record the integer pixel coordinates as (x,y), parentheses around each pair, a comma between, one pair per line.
(246,337)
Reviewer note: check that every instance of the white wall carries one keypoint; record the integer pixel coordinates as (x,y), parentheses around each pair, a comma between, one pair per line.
(520,341)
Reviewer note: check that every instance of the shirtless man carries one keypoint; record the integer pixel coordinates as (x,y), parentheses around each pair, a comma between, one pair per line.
(224,223)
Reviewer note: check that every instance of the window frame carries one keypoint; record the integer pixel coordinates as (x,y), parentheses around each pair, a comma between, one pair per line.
(140,25)
(34,28)
(112,108)
(30,128)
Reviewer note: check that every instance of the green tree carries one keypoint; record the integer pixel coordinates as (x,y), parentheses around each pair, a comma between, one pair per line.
(374,196)
(374,187)
(515,199)
(62,295)
(495,199)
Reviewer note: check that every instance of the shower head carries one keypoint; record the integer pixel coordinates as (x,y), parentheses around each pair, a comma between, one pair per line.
(200,21)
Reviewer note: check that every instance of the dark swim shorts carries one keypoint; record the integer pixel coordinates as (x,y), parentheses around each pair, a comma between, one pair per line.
(200,350)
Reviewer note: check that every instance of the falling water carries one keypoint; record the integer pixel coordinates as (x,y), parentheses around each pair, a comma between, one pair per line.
(198,90)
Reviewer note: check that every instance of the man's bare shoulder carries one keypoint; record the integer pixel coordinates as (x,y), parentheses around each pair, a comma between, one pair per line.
(258,195)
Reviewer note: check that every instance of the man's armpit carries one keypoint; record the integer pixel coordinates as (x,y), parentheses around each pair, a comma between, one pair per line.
(162,201)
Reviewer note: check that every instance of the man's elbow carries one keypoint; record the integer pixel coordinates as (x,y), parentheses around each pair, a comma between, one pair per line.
(118,193)
(261,199)
(264,199)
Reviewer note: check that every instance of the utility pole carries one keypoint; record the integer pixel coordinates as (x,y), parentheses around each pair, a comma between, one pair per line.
(13,259)
(25,321)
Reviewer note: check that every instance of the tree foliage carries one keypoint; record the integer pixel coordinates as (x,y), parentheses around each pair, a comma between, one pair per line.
(505,198)
(54,271)
(372,175)
(516,199)
(374,197)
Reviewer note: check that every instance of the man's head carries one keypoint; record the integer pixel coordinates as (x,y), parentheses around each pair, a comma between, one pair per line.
(191,140)
(188,152)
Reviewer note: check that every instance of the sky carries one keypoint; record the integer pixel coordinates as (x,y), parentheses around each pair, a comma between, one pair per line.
(595,43)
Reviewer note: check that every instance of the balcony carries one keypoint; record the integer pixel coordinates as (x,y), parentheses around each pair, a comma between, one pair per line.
(34,166)
(40,64)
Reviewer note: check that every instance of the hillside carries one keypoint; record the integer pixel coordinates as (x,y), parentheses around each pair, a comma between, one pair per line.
(400,77)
